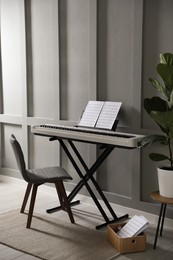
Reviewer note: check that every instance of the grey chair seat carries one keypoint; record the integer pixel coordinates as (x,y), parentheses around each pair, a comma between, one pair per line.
(47,174)
(36,177)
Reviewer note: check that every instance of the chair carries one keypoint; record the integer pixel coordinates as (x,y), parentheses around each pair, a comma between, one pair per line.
(37,177)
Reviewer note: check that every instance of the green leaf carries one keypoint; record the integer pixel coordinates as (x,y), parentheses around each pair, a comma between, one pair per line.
(166,73)
(159,87)
(155,104)
(171,101)
(156,157)
(166,58)
(164,119)
(171,134)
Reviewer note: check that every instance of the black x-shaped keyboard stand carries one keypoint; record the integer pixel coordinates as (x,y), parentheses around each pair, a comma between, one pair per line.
(88,175)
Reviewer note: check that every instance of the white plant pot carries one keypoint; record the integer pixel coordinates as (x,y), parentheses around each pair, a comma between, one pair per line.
(165,181)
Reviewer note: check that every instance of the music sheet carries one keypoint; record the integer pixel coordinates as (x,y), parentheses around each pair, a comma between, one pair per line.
(134,227)
(100,114)
(91,113)
(108,115)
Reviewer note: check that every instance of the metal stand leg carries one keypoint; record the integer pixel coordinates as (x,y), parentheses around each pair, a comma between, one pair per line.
(161,216)
(89,176)
(92,170)
(84,180)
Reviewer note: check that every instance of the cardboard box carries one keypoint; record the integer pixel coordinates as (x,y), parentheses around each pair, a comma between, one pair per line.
(125,245)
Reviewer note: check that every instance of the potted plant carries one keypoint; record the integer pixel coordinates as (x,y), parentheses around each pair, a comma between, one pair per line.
(160,109)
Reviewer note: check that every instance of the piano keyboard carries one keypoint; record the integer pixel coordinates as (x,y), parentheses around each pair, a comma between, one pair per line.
(91,135)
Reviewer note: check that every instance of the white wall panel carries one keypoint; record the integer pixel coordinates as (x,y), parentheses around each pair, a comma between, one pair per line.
(42,152)
(115,83)
(114,171)
(11,36)
(157,39)
(8,158)
(74,57)
(43,68)
(115,57)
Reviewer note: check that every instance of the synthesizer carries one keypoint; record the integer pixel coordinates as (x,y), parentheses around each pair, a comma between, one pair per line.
(90,135)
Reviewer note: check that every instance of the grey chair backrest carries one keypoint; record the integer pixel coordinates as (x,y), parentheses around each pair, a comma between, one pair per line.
(19,156)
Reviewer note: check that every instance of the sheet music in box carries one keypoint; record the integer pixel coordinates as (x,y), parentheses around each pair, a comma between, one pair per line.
(100,114)
(134,227)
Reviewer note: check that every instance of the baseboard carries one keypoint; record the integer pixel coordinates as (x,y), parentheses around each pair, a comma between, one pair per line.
(87,200)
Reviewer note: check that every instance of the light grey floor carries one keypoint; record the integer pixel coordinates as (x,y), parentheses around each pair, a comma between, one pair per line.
(85,214)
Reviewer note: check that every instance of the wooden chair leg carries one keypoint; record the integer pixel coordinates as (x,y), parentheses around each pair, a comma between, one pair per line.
(26,196)
(31,207)
(60,196)
(61,189)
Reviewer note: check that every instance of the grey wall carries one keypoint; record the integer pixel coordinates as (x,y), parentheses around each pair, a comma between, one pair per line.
(57,55)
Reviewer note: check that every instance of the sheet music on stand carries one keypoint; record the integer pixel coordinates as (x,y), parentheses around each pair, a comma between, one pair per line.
(134,227)
(100,114)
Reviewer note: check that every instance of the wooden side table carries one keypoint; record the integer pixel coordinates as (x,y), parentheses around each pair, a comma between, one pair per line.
(164,201)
